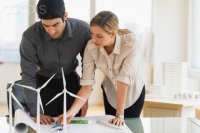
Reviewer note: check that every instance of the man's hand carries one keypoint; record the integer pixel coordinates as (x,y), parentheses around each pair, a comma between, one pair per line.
(45,120)
(69,115)
(84,109)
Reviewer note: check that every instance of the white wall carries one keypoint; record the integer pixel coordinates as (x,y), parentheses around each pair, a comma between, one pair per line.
(171,32)
(9,72)
(170,29)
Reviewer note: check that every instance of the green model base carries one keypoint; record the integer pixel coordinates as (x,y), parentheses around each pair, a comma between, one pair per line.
(79,122)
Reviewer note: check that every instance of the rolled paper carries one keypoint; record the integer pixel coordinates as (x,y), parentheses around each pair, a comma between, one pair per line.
(108,124)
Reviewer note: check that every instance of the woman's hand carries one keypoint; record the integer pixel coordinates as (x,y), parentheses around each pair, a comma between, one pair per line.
(69,116)
(117,121)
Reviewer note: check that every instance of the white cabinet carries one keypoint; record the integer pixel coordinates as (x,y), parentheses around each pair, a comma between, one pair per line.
(161,108)
(161,112)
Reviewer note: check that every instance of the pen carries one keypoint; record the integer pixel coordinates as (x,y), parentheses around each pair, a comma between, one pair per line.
(57,125)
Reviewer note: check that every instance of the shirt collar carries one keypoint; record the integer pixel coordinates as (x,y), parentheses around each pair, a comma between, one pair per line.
(117,45)
(103,51)
(116,49)
(68,28)
(67,33)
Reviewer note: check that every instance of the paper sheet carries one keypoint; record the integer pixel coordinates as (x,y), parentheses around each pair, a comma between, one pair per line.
(23,120)
(95,127)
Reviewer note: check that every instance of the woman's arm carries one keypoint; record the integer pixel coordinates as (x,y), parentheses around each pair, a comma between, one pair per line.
(129,65)
(122,89)
(84,93)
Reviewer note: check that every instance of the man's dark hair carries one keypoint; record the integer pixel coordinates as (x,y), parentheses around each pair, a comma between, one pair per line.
(51,9)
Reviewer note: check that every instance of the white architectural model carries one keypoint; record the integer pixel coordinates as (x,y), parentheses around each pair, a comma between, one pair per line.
(11,95)
(64,92)
(174,77)
(39,101)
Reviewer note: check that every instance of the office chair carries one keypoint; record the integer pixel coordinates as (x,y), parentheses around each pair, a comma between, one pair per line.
(19,94)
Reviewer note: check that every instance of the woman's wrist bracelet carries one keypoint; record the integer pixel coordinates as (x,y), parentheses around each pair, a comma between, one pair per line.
(119,116)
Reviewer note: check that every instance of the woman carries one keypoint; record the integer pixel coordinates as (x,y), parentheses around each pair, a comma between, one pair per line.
(114,52)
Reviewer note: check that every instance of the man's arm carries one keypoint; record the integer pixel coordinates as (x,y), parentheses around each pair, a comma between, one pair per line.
(28,65)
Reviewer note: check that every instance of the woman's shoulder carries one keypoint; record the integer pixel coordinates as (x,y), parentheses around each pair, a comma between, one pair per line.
(90,45)
(129,39)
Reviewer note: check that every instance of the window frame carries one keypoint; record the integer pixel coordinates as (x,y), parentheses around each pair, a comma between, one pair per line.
(193,72)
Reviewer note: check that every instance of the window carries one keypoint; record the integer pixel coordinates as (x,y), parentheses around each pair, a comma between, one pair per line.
(135,15)
(13,22)
(79,9)
(132,14)
(16,16)
(194,55)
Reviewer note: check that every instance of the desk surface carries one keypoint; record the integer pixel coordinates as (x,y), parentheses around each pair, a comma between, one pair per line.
(174,102)
(145,125)
(164,125)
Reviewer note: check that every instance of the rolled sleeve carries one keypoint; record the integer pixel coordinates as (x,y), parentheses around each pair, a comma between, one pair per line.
(126,80)
(87,82)
(88,77)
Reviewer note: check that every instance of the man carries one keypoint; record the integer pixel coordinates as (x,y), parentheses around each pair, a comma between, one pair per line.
(46,46)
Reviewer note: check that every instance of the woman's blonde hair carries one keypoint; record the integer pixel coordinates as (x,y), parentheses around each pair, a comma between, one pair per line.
(109,22)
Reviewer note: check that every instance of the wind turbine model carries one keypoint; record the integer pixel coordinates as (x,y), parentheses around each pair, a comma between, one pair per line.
(39,101)
(64,92)
(11,95)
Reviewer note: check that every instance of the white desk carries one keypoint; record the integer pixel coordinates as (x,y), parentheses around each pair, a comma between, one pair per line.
(4,125)
(145,125)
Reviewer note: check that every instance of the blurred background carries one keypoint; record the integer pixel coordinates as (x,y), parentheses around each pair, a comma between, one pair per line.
(167,31)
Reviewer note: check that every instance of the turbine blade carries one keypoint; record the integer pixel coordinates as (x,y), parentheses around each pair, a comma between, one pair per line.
(55,97)
(28,87)
(73,95)
(47,82)
(13,96)
(63,76)
(13,82)
(40,102)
